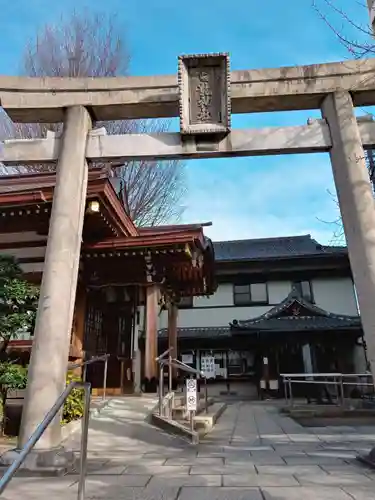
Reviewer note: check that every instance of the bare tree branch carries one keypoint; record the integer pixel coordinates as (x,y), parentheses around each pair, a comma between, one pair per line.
(86,44)
(338,236)
(358,48)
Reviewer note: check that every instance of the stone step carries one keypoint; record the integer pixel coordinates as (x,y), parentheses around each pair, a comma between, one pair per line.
(175,427)
(203,423)
(180,399)
(180,412)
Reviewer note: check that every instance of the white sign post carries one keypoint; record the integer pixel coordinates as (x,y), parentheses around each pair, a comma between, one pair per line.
(191,394)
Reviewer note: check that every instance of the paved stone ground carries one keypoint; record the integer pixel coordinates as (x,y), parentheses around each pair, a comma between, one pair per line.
(253,453)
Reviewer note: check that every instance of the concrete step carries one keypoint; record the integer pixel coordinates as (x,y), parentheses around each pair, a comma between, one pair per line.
(175,427)
(203,423)
(180,411)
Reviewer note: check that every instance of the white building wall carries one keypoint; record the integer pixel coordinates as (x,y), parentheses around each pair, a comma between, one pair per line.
(278,290)
(212,316)
(222,297)
(333,294)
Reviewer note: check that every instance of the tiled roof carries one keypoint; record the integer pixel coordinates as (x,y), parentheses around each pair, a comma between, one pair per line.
(307,323)
(273,248)
(295,313)
(198,332)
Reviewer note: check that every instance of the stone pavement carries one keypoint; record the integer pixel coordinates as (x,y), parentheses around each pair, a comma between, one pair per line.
(253,453)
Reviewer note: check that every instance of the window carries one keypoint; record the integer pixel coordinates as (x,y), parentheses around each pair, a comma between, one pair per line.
(254,293)
(185,303)
(304,289)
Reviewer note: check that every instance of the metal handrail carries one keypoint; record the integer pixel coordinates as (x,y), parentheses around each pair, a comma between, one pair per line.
(72,366)
(90,361)
(164,354)
(176,364)
(37,434)
(161,358)
(188,368)
(173,362)
(4,481)
(338,381)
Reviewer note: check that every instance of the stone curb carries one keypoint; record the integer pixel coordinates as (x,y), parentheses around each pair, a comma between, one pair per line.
(174,428)
(72,427)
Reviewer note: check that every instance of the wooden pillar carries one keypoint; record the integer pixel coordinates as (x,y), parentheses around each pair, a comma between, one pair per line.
(137,361)
(172,333)
(151,347)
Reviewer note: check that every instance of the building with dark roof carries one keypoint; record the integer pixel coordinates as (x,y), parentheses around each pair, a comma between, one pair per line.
(283,305)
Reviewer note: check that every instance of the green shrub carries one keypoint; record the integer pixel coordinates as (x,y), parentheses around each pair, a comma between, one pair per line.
(74,405)
(12,377)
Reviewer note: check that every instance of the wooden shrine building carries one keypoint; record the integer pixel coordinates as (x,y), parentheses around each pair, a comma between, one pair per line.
(125,272)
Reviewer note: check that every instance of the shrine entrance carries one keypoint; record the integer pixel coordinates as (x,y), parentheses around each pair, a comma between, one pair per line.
(204,95)
(108,330)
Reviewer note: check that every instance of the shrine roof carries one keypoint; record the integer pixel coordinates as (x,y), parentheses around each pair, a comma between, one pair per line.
(295,313)
(172,228)
(32,188)
(158,236)
(198,332)
(273,248)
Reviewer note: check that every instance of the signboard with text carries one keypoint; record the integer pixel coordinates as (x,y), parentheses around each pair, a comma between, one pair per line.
(208,366)
(191,394)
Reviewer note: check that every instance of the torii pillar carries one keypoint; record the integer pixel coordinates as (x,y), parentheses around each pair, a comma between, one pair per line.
(356,200)
(50,351)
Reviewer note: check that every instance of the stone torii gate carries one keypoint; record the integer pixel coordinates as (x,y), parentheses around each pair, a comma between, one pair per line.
(204,95)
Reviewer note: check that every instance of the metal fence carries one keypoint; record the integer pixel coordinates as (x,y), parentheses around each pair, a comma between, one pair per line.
(336,382)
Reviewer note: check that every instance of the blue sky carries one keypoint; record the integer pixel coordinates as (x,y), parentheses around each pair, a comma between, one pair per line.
(243,197)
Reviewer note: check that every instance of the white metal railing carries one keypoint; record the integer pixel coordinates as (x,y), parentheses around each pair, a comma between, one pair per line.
(167,401)
(337,380)
(167,405)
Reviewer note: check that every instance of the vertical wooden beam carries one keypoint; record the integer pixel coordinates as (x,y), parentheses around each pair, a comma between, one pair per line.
(172,333)
(151,347)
